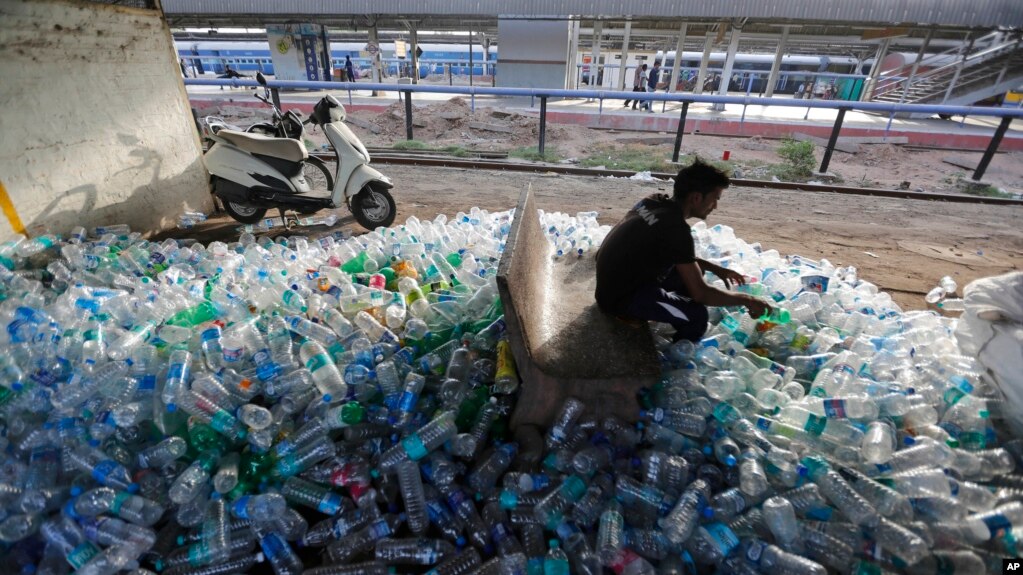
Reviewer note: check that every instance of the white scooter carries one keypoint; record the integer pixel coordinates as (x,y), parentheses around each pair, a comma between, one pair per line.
(252,173)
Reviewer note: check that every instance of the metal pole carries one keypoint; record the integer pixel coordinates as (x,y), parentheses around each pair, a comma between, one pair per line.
(408,114)
(681,130)
(543,123)
(470,56)
(833,140)
(988,153)
(414,36)
(959,68)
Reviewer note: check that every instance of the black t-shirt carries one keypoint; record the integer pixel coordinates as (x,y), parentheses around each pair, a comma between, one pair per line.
(641,250)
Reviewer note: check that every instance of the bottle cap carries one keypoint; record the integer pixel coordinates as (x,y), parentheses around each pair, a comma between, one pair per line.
(134,488)
(707,512)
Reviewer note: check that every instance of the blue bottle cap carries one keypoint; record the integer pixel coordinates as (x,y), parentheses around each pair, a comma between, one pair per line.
(171,407)
(460,542)
(908,440)
(708,512)
(76,491)
(134,488)
(327,397)
(730,460)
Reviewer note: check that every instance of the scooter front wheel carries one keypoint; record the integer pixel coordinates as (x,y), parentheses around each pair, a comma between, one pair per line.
(244,213)
(373,208)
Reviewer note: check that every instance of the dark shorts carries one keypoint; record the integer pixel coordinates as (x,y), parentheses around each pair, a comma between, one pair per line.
(666,302)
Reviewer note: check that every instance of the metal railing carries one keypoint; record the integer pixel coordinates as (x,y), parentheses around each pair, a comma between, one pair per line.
(1005,114)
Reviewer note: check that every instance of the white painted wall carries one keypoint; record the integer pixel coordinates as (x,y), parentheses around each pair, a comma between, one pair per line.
(96,125)
(532,53)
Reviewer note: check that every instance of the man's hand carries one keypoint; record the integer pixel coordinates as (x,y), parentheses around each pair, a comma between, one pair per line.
(729,276)
(757,308)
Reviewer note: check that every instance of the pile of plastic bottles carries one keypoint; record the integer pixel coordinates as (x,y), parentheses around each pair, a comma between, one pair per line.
(337,406)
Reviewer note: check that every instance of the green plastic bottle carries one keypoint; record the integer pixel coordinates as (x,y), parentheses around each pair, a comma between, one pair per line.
(356,264)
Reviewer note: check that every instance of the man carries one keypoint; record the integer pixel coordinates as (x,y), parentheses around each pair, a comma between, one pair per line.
(638,82)
(651,84)
(647,267)
(349,69)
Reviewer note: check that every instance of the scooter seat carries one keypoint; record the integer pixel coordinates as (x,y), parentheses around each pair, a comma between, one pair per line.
(283,148)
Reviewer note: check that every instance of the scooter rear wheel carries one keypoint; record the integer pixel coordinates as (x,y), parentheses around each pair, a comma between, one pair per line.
(319,178)
(373,208)
(244,213)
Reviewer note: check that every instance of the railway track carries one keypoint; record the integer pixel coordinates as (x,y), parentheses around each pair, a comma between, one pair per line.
(421,159)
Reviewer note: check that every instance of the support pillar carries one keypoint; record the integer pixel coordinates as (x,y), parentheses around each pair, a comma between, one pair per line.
(772,78)
(598,29)
(414,38)
(875,70)
(726,73)
(572,71)
(676,68)
(701,76)
(470,56)
(625,56)
(377,73)
(327,76)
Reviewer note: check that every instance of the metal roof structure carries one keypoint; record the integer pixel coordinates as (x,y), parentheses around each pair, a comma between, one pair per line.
(953,13)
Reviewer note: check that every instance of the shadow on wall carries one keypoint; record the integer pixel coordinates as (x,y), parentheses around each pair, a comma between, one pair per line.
(147,209)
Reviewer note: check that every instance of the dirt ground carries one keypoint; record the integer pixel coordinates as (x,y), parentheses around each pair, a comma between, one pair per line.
(887,166)
(903,246)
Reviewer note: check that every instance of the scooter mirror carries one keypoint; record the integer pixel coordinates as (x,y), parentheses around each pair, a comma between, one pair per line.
(260,79)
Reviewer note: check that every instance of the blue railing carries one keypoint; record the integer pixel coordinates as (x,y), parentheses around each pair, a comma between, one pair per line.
(843,106)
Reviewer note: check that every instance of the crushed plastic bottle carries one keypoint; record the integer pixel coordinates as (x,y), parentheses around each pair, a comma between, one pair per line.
(196,409)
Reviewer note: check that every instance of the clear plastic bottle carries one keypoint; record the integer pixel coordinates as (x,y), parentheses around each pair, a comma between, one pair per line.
(163,453)
(463,563)
(411,483)
(325,374)
(556,562)
(485,474)
(305,457)
(419,444)
(683,518)
(277,552)
(263,507)
(610,534)
(312,496)
(560,429)
(68,537)
(414,384)
(772,559)
(365,539)
(417,551)
(878,443)
(840,493)
(102,469)
(780,517)
(132,508)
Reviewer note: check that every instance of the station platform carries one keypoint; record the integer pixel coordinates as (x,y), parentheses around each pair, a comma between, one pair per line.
(971,133)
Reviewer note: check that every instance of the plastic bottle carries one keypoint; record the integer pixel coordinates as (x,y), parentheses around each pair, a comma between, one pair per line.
(325,374)
(312,496)
(412,494)
(418,551)
(365,539)
(277,552)
(610,533)
(419,444)
(556,562)
(678,525)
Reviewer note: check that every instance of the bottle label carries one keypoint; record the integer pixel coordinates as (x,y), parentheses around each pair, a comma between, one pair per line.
(414,447)
(119,500)
(815,424)
(222,420)
(722,537)
(499,533)
(756,549)
(408,401)
(997,523)
(834,408)
(211,334)
(272,546)
(316,362)
(103,469)
(330,504)
(82,554)
(240,508)
(378,530)
(232,354)
(147,383)
(198,554)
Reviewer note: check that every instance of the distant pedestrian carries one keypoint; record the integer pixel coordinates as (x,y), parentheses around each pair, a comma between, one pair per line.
(184,69)
(799,91)
(349,69)
(638,84)
(651,84)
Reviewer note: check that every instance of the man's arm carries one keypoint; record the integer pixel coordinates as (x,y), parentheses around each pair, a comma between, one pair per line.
(692,278)
(728,276)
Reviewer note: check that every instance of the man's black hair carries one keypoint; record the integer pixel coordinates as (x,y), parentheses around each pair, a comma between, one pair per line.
(699,178)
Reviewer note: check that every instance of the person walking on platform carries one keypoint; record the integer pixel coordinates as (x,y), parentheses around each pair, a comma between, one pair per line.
(651,84)
(349,69)
(647,267)
(638,83)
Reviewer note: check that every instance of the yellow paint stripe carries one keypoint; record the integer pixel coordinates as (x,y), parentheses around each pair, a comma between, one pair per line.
(10,212)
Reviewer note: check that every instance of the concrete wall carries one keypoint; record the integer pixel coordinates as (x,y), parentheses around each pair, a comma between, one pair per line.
(96,124)
(532,53)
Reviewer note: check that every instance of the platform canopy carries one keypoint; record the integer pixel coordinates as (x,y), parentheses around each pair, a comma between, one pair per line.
(955,13)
